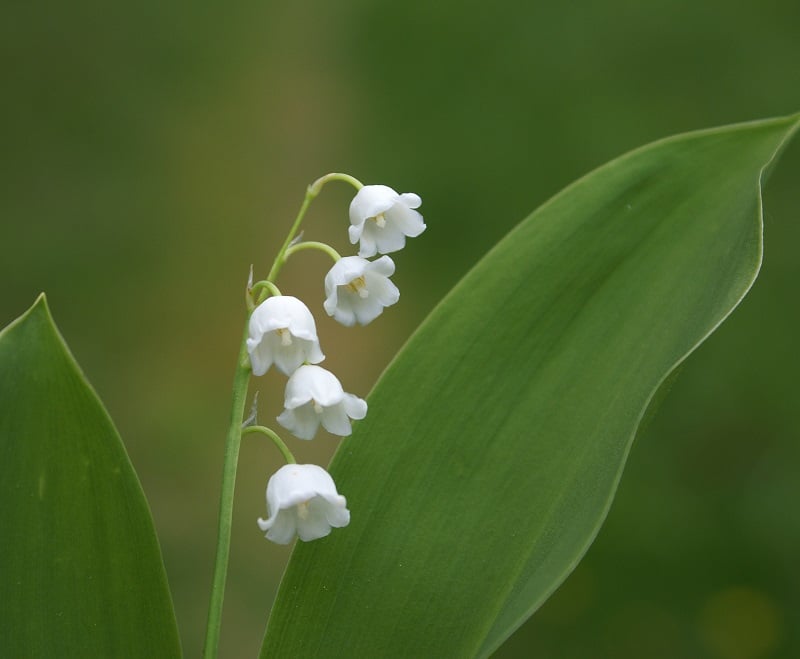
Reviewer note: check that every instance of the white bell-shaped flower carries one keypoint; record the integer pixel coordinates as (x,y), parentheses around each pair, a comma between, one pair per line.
(302,500)
(381,219)
(357,290)
(315,396)
(282,331)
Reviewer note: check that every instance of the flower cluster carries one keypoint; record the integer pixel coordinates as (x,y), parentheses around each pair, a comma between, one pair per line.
(302,499)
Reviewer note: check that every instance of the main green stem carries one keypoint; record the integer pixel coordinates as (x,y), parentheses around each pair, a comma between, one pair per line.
(233,442)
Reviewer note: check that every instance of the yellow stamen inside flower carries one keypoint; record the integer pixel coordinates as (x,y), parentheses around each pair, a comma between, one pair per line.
(359,285)
(317,407)
(379,219)
(302,510)
(286,336)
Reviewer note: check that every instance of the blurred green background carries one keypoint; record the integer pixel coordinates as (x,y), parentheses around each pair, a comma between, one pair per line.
(152,151)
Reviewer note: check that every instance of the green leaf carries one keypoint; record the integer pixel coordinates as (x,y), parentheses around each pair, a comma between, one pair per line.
(81,573)
(495,441)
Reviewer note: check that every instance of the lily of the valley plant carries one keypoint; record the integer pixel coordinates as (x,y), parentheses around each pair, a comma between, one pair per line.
(302,499)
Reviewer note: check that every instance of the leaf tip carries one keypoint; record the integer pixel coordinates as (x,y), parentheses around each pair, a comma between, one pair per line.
(39,306)
(41,303)
(40,310)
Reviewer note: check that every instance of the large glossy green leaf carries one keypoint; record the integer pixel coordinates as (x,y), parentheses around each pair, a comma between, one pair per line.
(495,441)
(80,569)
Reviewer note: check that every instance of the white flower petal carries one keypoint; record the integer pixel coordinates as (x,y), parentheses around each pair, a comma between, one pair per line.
(357,290)
(411,200)
(314,396)
(337,515)
(344,271)
(344,314)
(355,407)
(381,219)
(282,331)
(313,383)
(368,246)
(260,356)
(331,299)
(302,421)
(368,310)
(354,232)
(315,524)
(408,221)
(288,358)
(382,289)
(302,500)
(383,266)
(334,419)
(389,239)
(282,529)
(371,200)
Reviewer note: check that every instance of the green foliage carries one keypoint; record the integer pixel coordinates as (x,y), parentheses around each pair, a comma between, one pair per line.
(80,568)
(496,439)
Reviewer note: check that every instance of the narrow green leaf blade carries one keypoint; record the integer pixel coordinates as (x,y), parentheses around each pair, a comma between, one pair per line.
(81,573)
(495,441)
